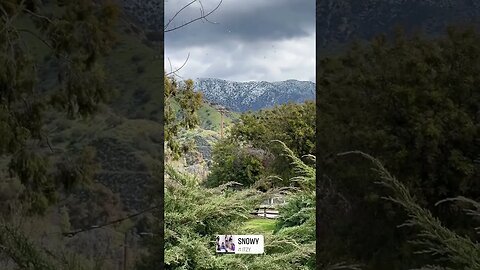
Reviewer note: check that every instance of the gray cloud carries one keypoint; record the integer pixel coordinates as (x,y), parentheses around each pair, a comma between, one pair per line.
(244,20)
(251,40)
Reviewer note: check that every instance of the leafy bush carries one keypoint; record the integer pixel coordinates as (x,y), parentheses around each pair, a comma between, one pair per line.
(193,216)
(293,124)
(235,163)
(297,211)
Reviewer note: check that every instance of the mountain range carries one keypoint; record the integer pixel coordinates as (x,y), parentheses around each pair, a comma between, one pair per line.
(254,95)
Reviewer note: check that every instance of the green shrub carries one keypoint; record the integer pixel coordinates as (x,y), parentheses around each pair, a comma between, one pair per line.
(234,163)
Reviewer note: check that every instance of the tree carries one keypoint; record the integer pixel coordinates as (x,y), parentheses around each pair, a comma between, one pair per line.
(413,102)
(293,124)
(203,16)
(181,106)
(181,102)
(235,163)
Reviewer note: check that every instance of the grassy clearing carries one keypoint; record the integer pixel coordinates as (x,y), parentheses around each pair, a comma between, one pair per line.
(259,225)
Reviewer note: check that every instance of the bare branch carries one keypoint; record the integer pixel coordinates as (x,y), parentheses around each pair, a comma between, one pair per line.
(38,15)
(94,227)
(178,12)
(201,17)
(173,72)
(37,36)
(202,11)
(170,63)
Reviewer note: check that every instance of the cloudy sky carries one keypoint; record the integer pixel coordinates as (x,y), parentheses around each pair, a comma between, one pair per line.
(245,40)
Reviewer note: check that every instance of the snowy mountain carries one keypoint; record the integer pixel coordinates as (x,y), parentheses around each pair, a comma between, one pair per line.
(254,95)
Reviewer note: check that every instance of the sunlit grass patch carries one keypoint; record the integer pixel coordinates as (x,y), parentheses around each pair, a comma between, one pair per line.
(259,225)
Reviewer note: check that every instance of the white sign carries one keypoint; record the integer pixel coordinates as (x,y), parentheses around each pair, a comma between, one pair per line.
(240,244)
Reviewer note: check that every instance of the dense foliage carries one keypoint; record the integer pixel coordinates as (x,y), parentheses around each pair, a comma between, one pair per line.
(73,40)
(249,154)
(414,103)
(194,215)
(235,163)
(293,124)
(76,38)
(181,107)
(447,248)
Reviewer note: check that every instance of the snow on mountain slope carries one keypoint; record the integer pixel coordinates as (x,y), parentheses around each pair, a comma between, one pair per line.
(254,95)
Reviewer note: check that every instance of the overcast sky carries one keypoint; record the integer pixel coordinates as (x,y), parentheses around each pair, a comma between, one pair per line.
(250,40)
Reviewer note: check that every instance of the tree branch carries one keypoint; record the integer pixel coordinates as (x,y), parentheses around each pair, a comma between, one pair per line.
(37,36)
(178,12)
(173,72)
(94,227)
(202,16)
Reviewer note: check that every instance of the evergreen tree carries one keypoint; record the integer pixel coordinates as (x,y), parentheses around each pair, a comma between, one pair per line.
(181,106)
(414,102)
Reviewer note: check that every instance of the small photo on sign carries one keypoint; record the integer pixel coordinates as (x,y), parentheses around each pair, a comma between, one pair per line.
(225,244)
(240,244)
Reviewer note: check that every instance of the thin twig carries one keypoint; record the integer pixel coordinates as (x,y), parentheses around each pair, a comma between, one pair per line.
(38,15)
(194,20)
(37,36)
(86,229)
(178,69)
(178,12)
(202,11)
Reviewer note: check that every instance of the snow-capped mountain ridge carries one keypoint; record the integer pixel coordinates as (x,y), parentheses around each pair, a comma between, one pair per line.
(254,95)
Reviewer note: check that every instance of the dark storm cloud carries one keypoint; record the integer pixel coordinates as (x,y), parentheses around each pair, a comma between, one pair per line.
(250,40)
(244,20)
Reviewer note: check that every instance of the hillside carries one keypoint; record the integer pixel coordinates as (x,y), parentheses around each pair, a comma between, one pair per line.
(210,117)
(126,137)
(147,12)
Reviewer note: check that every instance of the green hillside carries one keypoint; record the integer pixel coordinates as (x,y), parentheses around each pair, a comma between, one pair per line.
(126,134)
(210,118)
